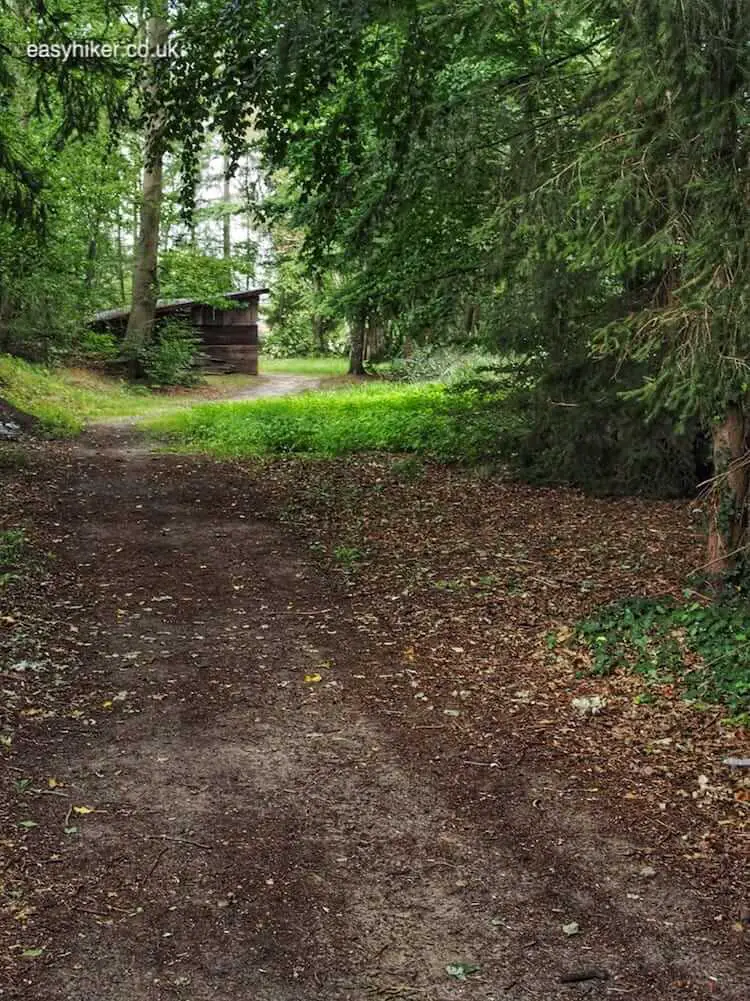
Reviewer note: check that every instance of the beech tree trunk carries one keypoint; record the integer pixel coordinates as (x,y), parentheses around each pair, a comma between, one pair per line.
(146,258)
(120,262)
(728,516)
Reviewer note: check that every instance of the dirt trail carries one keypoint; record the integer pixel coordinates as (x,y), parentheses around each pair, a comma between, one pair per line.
(264,386)
(260,835)
(277,385)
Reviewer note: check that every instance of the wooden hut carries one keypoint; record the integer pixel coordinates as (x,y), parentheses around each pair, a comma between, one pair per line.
(229,337)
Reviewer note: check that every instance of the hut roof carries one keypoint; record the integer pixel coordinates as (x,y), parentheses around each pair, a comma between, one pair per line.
(166,306)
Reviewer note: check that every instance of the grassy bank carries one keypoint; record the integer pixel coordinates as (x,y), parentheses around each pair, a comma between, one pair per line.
(63,399)
(423,419)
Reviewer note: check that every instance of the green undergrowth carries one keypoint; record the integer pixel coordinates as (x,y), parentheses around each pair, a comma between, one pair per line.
(423,419)
(13,551)
(702,648)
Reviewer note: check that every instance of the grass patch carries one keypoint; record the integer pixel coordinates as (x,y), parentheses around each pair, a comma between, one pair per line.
(63,400)
(329,365)
(424,419)
(705,649)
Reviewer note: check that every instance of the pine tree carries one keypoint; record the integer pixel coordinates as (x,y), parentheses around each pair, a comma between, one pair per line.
(661,195)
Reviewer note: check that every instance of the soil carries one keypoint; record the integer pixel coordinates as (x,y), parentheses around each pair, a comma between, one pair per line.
(243,781)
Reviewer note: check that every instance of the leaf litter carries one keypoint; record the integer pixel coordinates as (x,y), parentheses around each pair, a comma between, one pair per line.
(467,579)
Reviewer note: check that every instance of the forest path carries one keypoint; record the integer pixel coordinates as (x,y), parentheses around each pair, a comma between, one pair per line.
(244,807)
(264,386)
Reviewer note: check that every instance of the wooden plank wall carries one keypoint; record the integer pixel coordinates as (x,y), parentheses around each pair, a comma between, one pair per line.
(230,337)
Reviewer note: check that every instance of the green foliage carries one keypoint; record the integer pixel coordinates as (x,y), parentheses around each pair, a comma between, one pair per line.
(423,419)
(703,647)
(171,359)
(13,550)
(448,364)
(302,317)
(348,557)
(185,273)
(12,545)
(95,349)
(70,95)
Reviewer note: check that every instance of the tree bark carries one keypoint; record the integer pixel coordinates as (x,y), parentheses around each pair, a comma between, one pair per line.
(730,496)
(319,334)
(358,345)
(145,267)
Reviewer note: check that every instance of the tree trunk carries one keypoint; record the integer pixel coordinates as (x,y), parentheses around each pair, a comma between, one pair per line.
(319,334)
(728,516)
(358,345)
(227,219)
(319,322)
(6,312)
(120,261)
(136,204)
(91,263)
(145,268)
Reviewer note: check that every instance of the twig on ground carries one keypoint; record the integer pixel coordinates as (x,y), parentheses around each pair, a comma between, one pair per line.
(156,861)
(178,841)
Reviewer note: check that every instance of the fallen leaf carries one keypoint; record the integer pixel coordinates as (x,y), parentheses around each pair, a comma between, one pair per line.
(83,810)
(312,679)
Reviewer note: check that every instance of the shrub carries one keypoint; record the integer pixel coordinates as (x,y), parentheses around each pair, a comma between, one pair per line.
(94,348)
(171,359)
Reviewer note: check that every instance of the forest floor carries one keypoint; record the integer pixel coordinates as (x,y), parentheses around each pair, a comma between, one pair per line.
(289,731)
